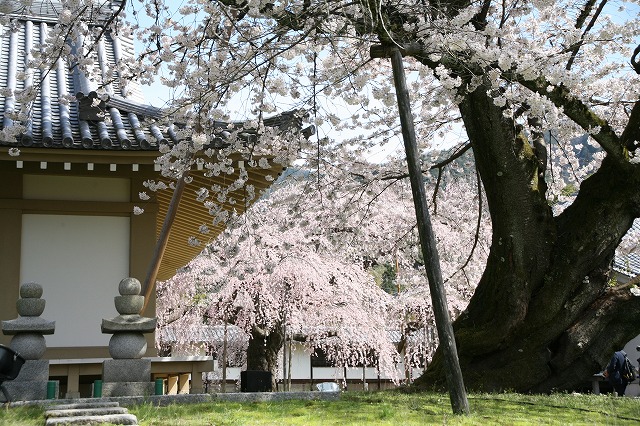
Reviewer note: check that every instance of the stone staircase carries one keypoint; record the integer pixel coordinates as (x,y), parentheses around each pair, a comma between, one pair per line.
(93,413)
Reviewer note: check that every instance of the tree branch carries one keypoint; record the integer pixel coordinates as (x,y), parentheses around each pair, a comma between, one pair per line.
(479,21)
(476,237)
(586,11)
(583,16)
(573,108)
(577,111)
(459,153)
(631,135)
(635,64)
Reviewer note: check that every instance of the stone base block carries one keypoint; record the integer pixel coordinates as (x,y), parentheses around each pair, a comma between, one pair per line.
(31,383)
(128,389)
(25,390)
(34,370)
(195,390)
(126,370)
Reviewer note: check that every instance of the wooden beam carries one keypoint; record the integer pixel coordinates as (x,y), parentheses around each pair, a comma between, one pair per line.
(163,239)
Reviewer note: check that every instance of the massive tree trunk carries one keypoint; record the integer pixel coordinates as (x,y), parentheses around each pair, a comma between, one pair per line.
(544,315)
(262,352)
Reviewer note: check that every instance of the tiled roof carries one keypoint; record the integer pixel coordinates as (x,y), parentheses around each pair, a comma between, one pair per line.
(203,333)
(42,9)
(628,264)
(121,122)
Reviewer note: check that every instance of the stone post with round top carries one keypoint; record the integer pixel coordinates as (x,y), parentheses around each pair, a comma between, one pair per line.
(128,374)
(28,340)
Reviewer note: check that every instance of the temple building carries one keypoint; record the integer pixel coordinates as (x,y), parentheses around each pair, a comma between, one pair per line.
(71,179)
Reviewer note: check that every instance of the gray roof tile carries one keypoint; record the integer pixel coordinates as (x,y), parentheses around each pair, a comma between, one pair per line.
(122,122)
(628,264)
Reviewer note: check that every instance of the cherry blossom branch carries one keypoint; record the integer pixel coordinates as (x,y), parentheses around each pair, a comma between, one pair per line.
(460,151)
(476,236)
(578,112)
(572,107)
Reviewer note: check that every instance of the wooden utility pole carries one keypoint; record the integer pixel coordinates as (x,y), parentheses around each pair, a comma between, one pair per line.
(224,356)
(284,351)
(457,392)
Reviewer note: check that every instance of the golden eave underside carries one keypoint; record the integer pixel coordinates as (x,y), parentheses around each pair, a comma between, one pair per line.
(192,214)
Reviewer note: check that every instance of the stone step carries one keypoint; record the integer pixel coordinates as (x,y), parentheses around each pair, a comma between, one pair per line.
(89,413)
(80,405)
(115,419)
(85,412)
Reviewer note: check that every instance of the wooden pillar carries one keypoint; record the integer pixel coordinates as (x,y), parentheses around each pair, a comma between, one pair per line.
(10,241)
(183,383)
(364,377)
(163,239)
(311,370)
(223,387)
(197,385)
(73,382)
(172,385)
(345,377)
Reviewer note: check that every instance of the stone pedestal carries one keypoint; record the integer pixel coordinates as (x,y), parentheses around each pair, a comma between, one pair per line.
(127,377)
(31,383)
(128,389)
(126,370)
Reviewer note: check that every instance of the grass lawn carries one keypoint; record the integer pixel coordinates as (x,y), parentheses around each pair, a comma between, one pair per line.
(382,408)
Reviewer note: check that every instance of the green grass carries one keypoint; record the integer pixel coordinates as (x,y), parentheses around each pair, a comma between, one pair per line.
(382,408)
(21,416)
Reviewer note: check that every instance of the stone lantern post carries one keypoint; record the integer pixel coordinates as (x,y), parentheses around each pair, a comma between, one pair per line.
(28,340)
(127,374)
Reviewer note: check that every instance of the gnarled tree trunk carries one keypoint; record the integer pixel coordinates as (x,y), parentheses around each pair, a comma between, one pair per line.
(544,316)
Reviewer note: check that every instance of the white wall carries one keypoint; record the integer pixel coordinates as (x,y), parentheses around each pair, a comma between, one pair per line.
(300,362)
(301,369)
(633,389)
(79,261)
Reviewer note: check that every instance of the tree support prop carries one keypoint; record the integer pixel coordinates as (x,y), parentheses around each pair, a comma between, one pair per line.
(453,373)
(163,238)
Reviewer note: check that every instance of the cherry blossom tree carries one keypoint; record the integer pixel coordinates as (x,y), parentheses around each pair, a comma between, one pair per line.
(270,276)
(291,266)
(515,83)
